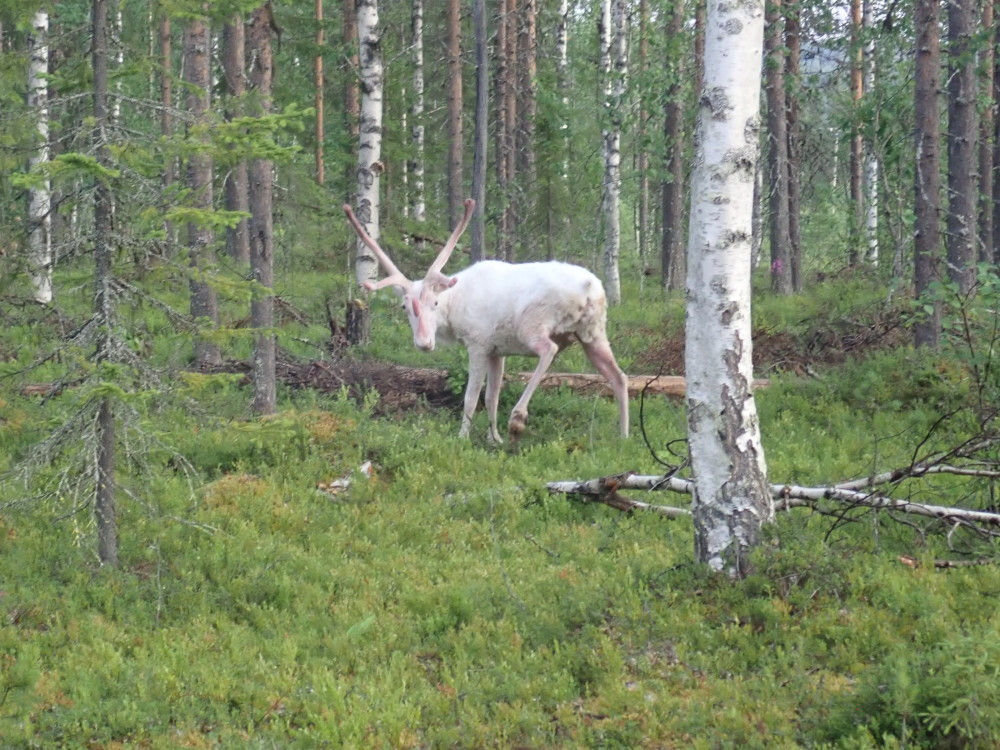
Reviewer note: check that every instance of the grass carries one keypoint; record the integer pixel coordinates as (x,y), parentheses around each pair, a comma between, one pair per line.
(450,602)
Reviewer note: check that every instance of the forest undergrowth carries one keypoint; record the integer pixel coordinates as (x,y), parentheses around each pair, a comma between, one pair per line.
(350,573)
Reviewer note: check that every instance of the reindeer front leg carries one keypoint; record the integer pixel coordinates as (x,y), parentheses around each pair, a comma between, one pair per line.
(494,382)
(546,349)
(477,374)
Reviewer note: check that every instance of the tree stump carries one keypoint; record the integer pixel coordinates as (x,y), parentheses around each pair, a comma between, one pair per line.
(358,326)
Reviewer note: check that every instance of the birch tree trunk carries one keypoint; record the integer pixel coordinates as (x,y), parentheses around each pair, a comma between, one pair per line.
(370,135)
(613,64)
(962,131)
(39,197)
(856,184)
(871,146)
(416,165)
(732,500)
(204,305)
(927,182)
(105,513)
(480,140)
(166,108)
(262,221)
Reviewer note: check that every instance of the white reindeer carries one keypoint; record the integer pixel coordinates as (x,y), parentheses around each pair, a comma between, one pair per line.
(495,309)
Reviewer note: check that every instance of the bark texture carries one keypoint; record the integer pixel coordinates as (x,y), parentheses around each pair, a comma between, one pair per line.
(40,196)
(962,162)
(732,501)
(370,145)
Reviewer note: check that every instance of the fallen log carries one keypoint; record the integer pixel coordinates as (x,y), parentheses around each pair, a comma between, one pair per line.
(659,385)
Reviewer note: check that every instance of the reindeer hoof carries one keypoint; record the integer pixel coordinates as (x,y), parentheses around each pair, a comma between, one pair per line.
(515,427)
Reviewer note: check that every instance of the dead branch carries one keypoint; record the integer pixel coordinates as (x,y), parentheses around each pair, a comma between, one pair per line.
(786,496)
(663,385)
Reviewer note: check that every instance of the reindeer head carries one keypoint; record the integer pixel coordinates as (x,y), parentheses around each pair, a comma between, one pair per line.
(420,298)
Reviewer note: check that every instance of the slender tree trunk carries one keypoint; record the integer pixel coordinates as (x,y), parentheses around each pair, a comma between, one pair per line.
(673,194)
(777,152)
(793,41)
(962,130)
(234,78)
(40,196)
(261,223)
(478,228)
(204,306)
(527,109)
(320,78)
(871,146)
(987,137)
(642,155)
(995,176)
(104,495)
(352,90)
(416,165)
(613,62)
(562,86)
(506,117)
(856,185)
(927,184)
(166,108)
(732,500)
(370,145)
(456,186)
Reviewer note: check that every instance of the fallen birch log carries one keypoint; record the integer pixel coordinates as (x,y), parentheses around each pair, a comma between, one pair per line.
(665,385)
(605,490)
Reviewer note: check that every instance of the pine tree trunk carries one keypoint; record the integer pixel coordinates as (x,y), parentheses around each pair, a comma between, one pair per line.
(527,109)
(927,183)
(506,53)
(777,151)
(987,138)
(104,493)
(732,500)
(673,193)
(642,155)
(319,79)
(204,306)
(166,108)
(456,185)
(352,91)
(962,130)
(236,185)
(477,231)
(40,196)
(262,222)
(793,41)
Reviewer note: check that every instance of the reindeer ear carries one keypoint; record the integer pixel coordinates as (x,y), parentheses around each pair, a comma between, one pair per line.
(439,282)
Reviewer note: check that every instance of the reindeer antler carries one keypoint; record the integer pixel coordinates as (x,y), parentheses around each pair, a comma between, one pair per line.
(442,257)
(395,277)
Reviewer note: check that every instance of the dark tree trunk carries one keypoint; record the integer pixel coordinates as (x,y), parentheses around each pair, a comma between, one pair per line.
(672,192)
(478,228)
(352,93)
(527,109)
(506,103)
(234,79)
(104,496)
(456,187)
(987,143)
(777,151)
(793,42)
(927,188)
(962,162)
(261,222)
(197,77)
(319,82)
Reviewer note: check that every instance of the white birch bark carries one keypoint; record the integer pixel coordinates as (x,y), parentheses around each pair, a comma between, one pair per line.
(562,78)
(871,166)
(416,166)
(613,62)
(370,129)
(40,197)
(731,499)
